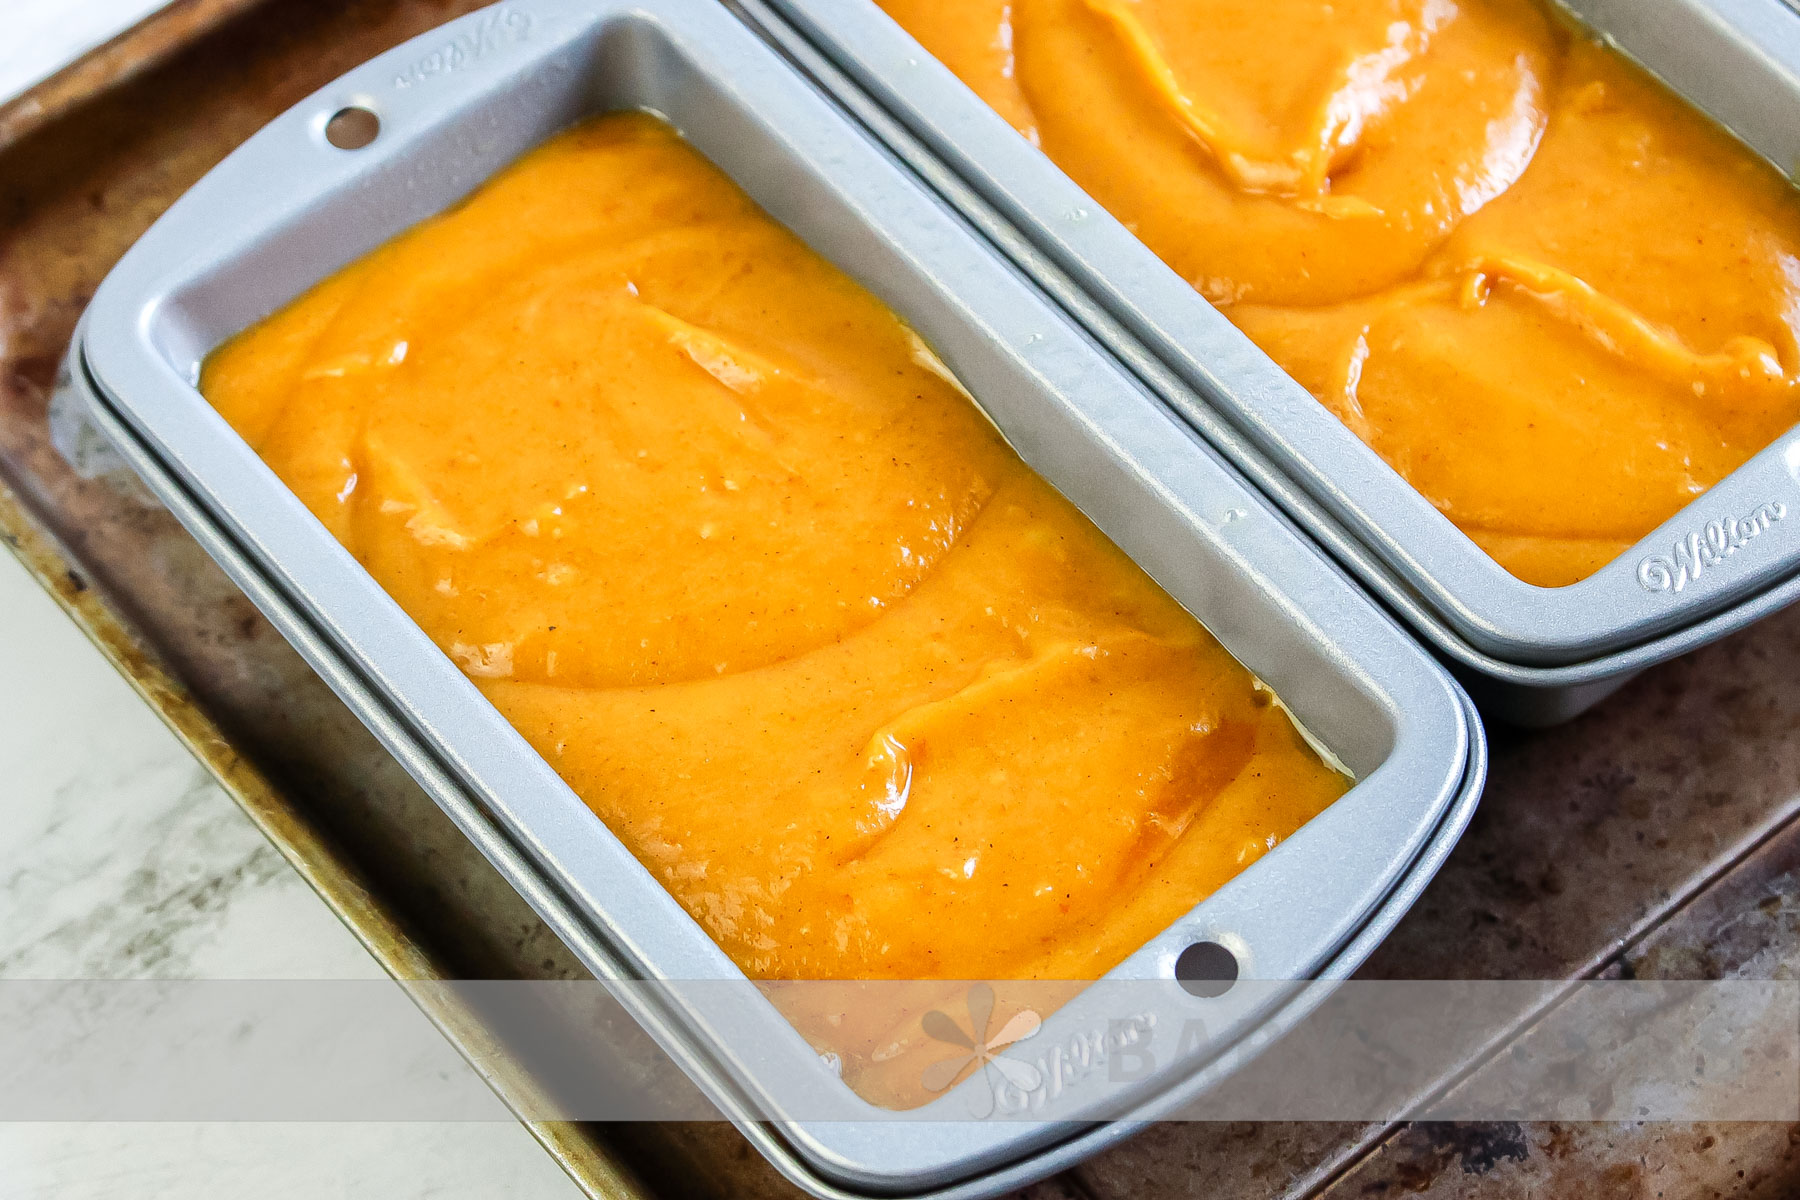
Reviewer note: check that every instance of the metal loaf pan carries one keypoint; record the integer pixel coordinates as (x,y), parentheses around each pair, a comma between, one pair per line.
(456,105)
(1531,655)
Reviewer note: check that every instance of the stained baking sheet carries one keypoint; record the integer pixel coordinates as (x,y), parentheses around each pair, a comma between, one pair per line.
(1596,842)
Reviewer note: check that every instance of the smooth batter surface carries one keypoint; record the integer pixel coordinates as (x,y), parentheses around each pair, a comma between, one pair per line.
(1554,297)
(716,531)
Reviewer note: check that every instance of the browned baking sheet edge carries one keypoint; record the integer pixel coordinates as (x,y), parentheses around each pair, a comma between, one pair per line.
(137,49)
(591,1164)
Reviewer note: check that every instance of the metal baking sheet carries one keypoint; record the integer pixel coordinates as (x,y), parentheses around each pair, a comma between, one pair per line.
(1740,59)
(287,208)
(1598,836)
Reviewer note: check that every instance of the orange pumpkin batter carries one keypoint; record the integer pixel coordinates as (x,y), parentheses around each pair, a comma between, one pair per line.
(1558,300)
(724,540)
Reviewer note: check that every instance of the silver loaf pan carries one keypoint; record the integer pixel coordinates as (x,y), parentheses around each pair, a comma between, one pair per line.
(1530,655)
(456,105)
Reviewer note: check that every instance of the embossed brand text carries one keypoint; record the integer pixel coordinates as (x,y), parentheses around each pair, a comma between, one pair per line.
(1706,548)
(497,29)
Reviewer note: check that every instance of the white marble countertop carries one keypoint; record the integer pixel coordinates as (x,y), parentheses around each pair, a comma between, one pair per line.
(42,35)
(121,859)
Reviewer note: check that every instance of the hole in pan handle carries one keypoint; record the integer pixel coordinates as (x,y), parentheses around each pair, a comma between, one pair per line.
(1206,969)
(352,128)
